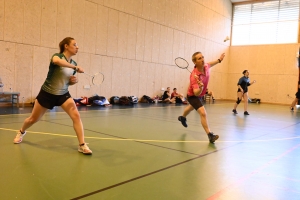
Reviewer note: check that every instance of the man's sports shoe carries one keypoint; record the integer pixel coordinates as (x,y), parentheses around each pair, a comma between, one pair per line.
(234,111)
(246,113)
(182,119)
(19,137)
(212,138)
(84,149)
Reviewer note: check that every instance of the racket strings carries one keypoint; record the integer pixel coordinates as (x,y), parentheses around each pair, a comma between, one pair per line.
(181,63)
(98,79)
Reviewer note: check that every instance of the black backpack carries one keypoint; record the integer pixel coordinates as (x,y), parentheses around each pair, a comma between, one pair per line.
(148,99)
(114,100)
(96,97)
(133,99)
(178,100)
(123,100)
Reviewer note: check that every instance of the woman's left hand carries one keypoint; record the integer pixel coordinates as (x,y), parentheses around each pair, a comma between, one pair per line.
(73,80)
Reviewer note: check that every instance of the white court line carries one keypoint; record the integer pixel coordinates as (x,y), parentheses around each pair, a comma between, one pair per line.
(59,112)
(158,141)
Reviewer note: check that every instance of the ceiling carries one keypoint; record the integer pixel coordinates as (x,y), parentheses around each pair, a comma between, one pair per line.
(238,1)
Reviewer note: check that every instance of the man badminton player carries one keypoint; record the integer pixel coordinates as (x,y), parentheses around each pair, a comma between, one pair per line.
(197,88)
(54,92)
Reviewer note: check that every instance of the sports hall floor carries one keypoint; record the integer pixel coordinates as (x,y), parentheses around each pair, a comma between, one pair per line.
(144,153)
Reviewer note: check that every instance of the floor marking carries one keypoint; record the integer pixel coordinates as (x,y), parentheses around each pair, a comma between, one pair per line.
(59,112)
(158,141)
(250,175)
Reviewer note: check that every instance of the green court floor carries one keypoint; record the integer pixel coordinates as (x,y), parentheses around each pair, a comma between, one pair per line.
(144,153)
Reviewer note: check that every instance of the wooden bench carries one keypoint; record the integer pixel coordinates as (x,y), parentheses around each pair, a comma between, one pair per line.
(14,97)
(207,97)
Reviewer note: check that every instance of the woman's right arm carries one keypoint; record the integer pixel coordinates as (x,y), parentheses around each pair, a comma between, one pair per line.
(63,63)
(239,84)
(240,87)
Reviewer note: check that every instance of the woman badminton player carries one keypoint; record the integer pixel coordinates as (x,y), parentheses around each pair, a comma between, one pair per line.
(198,83)
(295,102)
(242,92)
(54,92)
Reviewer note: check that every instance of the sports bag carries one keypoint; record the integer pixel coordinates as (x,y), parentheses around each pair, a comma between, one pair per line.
(178,100)
(124,100)
(114,100)
(133,99)
(96,97)
(148,99)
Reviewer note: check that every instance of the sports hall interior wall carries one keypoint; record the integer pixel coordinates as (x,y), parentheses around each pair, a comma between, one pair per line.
(134,43)
(274,67)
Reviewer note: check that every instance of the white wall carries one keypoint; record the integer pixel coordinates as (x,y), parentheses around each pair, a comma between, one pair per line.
(274,67)
(133,42)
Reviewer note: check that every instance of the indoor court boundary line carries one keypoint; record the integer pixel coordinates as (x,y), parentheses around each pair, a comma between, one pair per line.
(125,108)
(288,126)
(63,112)
(251,174)
(166,141)
(151,173)
(145,175)
(133,140)
(155,141)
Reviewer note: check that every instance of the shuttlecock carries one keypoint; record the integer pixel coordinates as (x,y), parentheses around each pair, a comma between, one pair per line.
(227,38)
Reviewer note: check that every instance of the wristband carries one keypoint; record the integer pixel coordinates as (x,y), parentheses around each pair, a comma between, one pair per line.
(219,60)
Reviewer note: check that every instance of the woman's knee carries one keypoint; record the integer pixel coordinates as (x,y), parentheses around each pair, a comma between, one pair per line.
(32,120)
(75,115)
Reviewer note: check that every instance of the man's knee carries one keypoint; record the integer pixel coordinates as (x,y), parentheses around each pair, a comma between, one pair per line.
(202,111)
(238,101)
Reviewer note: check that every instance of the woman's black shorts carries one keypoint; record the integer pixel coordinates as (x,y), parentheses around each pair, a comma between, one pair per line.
(195,102)
(245,90)
(298,95)
(48,100)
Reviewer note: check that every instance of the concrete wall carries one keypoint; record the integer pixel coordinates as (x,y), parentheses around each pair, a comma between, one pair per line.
(274,67)
(133,42)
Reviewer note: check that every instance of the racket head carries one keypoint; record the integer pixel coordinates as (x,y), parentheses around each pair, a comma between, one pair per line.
(98,79)
(181,63)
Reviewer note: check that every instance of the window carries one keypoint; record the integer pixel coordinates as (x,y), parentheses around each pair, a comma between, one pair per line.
(270,22)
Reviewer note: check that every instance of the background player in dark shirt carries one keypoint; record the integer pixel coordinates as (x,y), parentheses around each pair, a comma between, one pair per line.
(242,92)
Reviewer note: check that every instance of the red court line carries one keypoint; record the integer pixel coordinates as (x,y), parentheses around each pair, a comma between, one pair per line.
(248,176)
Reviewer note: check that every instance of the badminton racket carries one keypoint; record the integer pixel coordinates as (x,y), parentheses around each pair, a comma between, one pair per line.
(97,79)
(183,64)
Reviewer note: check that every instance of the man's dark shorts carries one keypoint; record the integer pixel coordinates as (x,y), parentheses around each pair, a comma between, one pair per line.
(195,102)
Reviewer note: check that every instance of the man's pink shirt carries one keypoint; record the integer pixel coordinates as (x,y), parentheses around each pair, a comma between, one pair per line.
(204,77)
